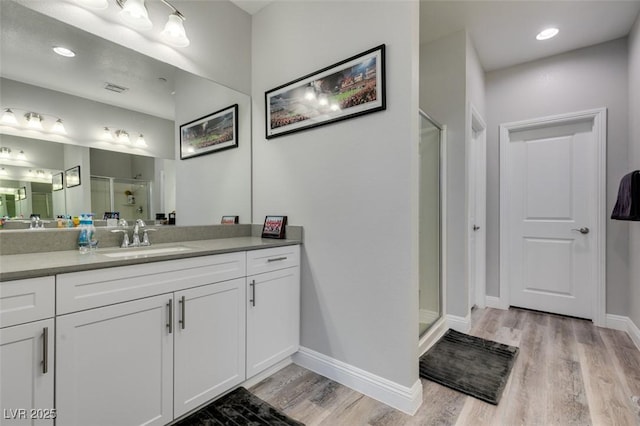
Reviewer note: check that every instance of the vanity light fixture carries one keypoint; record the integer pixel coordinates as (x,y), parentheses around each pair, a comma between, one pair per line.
(3,172)
(8,117)
(174,32)
(58,127)
(547,33)
(106,134)
(5,152)
(134,13)
(140,142)
(34,121)
(21,156)
(122,136)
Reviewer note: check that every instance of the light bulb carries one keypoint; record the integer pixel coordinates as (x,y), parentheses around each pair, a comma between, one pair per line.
(34,121)
(174,33)
(134,13)
(140,141)
(8,117)
(322,100)
(58,127)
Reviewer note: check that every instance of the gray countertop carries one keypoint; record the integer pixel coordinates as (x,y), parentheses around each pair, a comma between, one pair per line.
(32,265)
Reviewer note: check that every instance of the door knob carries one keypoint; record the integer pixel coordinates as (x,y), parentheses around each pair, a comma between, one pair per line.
(583,230)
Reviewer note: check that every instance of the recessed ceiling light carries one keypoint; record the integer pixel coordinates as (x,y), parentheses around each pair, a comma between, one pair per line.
(63,51)
(547,33)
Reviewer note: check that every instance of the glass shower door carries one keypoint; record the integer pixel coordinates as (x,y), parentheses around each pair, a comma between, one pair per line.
(430,291)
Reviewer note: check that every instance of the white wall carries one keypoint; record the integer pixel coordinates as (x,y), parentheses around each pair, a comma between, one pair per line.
(217,184)
(582,79)
(443,95)
(352,184)
(634,164)
(78,198)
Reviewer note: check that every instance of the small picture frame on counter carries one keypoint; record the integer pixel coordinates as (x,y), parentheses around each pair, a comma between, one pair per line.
(230,220)
(274,227)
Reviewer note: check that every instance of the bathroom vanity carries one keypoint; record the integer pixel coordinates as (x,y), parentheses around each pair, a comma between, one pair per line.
(145,338)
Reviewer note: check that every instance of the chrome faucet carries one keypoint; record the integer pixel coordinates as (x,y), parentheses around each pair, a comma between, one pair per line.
(125,240)
(136,232)
(36,223)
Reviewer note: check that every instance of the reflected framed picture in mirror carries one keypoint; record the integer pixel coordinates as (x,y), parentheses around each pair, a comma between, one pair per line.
(22,193)
(56,182)
(230,220)
(214,132)
(274,227)
(72,176)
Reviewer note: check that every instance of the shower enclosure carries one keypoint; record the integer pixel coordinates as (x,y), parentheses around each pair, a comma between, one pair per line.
(130,197)
(430,196)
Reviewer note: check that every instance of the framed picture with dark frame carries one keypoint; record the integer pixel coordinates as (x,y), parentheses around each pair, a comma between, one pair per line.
(22,193)
(347,89)
(72,177)
(230,220)
(212,133)
(56,182)
(274,227)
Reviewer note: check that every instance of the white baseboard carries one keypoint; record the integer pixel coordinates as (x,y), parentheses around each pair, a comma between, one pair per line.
(436,331)
(400,397)
(495,302)
(461,324)
(619,322)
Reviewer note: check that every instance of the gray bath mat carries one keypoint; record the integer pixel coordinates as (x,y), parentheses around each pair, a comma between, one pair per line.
(469,364)
(238,408)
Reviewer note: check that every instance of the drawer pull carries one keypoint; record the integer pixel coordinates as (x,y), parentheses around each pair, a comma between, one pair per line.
(45,350)
(183,308)
(253,293)
(170,316)
(276,259)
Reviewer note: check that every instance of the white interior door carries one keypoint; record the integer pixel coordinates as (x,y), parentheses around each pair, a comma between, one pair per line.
(476,226)
(549,220)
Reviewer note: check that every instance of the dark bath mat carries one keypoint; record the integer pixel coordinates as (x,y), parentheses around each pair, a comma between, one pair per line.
(238,408)
(470,365)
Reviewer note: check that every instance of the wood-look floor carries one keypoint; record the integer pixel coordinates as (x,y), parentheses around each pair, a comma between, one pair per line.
(568,372)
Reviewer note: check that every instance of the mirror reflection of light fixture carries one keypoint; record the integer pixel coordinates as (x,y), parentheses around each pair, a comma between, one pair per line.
(22,156)
(8,117)
(3,172)
(34,121)
(5,152)
(122,136)
(140,141)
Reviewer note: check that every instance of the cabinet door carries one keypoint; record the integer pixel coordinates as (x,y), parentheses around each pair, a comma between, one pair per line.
(209,342)
(273,318)
(26,382)
(115,364)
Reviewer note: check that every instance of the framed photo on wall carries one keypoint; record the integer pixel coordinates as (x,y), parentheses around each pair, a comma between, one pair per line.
(274,227)
(22,193)
(214,132)
(350,88)
(72,176)
(56,182)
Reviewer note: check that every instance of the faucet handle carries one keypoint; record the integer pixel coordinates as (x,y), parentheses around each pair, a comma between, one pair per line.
(123,223)
(125,239)
(145,237)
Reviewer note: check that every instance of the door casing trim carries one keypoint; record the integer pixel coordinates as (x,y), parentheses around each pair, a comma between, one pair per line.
(599,117)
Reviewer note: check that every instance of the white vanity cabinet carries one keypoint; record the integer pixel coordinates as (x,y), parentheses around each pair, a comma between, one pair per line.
(27,351)
(115,364)
(273,306)
(209,342)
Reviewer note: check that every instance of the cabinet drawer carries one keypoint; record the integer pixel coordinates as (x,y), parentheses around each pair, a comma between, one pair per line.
(90,289)
(28,300)
(273,259)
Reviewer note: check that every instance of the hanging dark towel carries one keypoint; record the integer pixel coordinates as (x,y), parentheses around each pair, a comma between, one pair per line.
(628,204)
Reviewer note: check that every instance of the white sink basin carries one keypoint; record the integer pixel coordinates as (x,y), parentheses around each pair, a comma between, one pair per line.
(145,251)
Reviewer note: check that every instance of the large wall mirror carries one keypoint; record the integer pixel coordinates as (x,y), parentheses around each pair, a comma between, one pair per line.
(102,93)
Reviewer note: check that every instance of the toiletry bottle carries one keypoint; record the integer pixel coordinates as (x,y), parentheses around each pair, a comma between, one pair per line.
(83,236)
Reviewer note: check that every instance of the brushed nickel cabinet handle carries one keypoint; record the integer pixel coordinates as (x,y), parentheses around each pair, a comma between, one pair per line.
(276,259)
(170,317)
(183,308)
(253,293)
(45,350)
